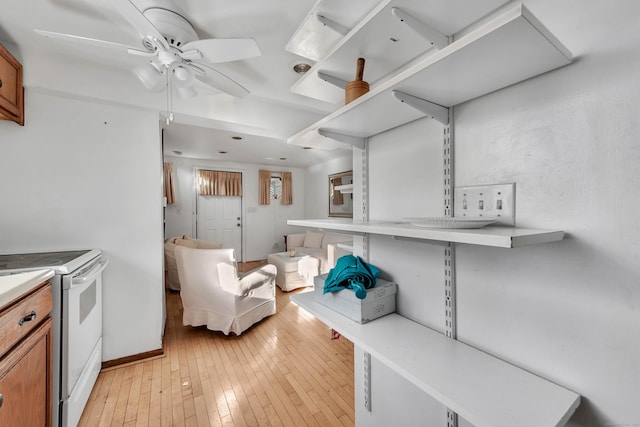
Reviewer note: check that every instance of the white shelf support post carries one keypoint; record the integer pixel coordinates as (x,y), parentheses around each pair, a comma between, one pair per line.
(353,141)
(367,381)
(447,171)
(332,79)
(449,251)
(435,111)
(365,256)
(430,34)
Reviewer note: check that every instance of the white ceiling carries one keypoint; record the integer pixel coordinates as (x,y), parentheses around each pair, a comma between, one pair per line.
(205,124)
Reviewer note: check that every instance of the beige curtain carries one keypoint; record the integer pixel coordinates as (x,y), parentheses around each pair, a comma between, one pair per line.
(217,183)
(338,197)
(168,188)
(287,191)
(264,187)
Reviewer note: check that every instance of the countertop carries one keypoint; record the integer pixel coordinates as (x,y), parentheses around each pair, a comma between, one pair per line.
(14,286)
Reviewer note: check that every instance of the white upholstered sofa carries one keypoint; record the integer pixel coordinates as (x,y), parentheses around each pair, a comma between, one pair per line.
(320,245)
(173,281)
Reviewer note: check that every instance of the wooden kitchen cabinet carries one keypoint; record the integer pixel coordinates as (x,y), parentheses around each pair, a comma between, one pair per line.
(11,90)
(26,360)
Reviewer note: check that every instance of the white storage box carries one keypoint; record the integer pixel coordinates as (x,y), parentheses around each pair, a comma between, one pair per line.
(380,300)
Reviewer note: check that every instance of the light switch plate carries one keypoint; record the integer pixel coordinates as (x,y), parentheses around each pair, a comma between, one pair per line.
(490,201)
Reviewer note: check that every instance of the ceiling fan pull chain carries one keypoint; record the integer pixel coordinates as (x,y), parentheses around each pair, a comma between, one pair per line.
(169,114)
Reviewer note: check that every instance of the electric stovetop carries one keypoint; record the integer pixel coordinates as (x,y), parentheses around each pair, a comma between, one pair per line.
(58,261)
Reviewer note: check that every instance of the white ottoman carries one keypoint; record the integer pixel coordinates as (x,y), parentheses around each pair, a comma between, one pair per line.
(294,272)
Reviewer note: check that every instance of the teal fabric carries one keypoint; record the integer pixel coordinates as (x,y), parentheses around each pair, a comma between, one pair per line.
(351,272)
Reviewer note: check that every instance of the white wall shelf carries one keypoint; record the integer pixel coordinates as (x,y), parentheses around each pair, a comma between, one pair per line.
(387,43)
(345,188)
(486,391)
(496,236)
(508,49)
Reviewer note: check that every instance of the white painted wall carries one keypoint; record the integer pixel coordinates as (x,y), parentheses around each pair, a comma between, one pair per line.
(84,175)
(569,139)
(263,225)
(405,179)
(567,311)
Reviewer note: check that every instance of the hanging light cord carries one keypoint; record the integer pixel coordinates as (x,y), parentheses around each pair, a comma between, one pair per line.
(169,98)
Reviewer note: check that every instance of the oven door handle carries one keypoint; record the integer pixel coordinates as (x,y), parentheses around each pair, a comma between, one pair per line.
(91,274)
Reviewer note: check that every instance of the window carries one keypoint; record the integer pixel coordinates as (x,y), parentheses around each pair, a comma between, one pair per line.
(275,189)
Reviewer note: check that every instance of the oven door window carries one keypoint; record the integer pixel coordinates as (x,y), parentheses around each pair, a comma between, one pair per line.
(87,301)
(82,323)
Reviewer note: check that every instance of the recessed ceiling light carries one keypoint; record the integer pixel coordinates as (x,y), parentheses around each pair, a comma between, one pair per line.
(301,68)
(222,152)
(237,138)
(177,153)
(269,158)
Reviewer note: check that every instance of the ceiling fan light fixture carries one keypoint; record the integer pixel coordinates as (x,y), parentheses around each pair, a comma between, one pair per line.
(150,76)
(183,76)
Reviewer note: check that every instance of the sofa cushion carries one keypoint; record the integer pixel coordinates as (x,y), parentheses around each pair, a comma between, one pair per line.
(313,239)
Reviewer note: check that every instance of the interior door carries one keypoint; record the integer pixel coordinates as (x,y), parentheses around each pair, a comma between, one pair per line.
(219,220)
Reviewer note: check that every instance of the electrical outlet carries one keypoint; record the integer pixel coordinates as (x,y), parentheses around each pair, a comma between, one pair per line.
(491,201)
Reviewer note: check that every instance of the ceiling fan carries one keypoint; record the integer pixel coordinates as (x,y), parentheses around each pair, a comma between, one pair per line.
(176,57)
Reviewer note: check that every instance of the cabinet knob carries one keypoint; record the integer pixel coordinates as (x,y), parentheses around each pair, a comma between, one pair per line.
(0,86)
(1,399)
(28,318)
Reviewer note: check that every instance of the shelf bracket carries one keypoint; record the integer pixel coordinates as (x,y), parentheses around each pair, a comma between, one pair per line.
(338,28)
(333,80)
(430,34)
(351,233)
(416,239)
(435,111)
(353,141)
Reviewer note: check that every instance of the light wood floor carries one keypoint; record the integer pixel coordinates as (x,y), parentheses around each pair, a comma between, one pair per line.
(283,371)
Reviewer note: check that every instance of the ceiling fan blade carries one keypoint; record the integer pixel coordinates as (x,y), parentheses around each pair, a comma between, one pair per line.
(87,41)
(219,81)
(134,16)
(224,50)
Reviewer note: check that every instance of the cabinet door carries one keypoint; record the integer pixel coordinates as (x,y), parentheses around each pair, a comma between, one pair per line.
(11,94)
(25,381)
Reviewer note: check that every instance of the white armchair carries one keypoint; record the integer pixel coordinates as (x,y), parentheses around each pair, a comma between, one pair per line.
(173,282)
(214,295)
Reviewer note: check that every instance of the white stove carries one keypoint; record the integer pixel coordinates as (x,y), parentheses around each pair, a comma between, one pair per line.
(77,323)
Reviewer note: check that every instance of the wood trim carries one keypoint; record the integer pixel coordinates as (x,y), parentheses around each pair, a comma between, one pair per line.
(134,358)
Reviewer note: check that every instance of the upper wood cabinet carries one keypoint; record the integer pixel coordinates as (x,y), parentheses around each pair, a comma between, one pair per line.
(11,90)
